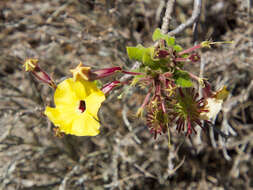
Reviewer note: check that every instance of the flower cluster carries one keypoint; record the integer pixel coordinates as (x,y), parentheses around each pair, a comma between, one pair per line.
(172,97)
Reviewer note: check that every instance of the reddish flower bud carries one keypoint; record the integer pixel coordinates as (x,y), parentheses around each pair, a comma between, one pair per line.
(105,72)
(194,57)
(31,65)
(162,54)
(109,86)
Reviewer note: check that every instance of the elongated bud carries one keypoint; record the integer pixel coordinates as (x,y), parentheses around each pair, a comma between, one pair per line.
(110,71)
(85,73)
(31,65)
(105,72)
(109,86)
(139,112)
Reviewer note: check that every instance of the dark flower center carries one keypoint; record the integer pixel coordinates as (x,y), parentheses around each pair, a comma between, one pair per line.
(82,106)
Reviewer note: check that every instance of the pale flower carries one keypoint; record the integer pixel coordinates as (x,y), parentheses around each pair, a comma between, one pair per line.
(214,104)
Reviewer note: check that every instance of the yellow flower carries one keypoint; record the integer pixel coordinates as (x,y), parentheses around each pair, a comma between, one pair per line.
(77,104)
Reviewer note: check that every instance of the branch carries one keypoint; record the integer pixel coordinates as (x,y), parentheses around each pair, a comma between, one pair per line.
(159,12)
(189,22)
(167,16)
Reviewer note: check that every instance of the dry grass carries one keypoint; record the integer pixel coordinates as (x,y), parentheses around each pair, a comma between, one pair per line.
(124,156)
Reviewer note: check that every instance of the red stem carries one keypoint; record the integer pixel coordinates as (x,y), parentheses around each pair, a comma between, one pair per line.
(131,73)
(190,49)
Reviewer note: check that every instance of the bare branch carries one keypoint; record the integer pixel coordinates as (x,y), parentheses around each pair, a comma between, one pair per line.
(167,16)
(128,124)
(159,11)
(189,22)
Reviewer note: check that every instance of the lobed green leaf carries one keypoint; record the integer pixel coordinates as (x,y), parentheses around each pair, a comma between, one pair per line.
(136,53)
(177,48)
(182,79)
(157,35)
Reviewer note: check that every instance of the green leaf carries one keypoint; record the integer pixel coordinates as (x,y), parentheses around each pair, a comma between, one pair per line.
(136,53)
(170,41)
(184,82)
(157,35)
(177,48)
(147,60)
(182,78)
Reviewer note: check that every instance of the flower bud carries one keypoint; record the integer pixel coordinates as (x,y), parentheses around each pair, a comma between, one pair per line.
(31,65)
(109,86)
(194,57)
(105,72)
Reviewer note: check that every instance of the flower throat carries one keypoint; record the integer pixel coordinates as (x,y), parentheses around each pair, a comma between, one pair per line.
(82,106)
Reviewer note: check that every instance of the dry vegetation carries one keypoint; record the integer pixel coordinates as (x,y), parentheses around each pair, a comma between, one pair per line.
(124,156)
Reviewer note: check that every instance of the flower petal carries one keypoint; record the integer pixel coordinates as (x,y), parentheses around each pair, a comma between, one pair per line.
(213,106)
(62,118)
(79,89)
(84,88)
(64,94)
(85,125)
(93,102)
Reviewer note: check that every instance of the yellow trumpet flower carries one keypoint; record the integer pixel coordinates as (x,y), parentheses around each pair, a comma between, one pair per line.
(77,104)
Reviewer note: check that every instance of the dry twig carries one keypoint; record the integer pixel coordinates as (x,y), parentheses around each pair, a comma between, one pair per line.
(189,22)
(167,16)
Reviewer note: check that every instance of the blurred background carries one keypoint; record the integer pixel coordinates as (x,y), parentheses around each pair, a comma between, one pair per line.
(62,33)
